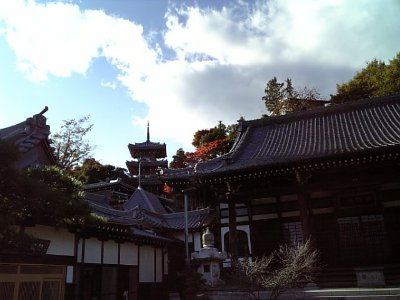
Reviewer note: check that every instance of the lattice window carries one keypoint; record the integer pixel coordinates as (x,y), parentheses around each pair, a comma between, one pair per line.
(362,238)
(7,290)
(50,290)
(293,233)
(29,290)
(374,235)
(350,237)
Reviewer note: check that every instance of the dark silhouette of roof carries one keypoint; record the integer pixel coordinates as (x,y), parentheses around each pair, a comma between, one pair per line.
(145,200)
(352,128)
(145,209)
(29,136)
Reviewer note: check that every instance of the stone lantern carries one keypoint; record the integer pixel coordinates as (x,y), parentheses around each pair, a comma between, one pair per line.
(209,259)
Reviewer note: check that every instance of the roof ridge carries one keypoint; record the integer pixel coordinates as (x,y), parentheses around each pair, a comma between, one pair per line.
(320,111)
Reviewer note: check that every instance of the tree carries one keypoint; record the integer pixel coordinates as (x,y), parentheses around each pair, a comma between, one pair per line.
(59,198)
(282,97)
(70,145)
(92,171)
(274,96)
(288,267)
(210,150)
(210,143)
(39,195)
(179,160)
(376,79)
(9,182)
(204,136)
(213,142)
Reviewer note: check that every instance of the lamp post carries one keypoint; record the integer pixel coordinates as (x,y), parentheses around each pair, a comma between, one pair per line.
(187,260)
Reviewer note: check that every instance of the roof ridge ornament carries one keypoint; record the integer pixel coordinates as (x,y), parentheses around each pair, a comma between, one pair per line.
(148,131)
(45,109)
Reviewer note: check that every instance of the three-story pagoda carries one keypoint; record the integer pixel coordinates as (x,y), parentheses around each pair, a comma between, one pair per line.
(149,158)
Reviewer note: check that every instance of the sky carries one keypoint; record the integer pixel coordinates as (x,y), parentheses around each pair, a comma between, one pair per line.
(179,65)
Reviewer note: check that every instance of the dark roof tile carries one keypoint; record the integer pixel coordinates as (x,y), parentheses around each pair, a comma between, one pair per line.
(354,127)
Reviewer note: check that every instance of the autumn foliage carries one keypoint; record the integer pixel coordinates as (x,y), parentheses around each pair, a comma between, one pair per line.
(209,143)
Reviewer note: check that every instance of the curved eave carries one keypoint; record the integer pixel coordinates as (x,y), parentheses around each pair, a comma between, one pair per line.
(390,155)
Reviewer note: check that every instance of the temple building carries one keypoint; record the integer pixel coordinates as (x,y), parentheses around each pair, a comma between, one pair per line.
(149,159)
(331,174)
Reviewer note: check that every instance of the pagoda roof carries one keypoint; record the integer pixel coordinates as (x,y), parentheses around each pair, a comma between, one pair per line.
(147,163)
(29,135)
(136,150)
(353,128)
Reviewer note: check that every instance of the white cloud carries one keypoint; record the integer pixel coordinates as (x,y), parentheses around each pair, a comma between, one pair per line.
(223,57)
(331,32)
(109,84)
(60,39)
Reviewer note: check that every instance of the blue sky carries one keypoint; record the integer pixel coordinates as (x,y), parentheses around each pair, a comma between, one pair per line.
(182,65)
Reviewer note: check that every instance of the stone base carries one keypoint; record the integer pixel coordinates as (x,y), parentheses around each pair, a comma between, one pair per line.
(370,277)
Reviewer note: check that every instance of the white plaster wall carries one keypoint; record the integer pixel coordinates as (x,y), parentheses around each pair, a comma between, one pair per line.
(245,228)
(159,265)
(194,237)
(146,264)
(197,241)
(61,241)
(70,274)
(92,250)
(129,254)
(110,252)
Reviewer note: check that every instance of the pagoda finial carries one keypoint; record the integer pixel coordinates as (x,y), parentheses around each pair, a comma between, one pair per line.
(148,132)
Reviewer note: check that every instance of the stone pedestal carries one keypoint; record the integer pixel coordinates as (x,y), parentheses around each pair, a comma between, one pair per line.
(208,259)
(370,277)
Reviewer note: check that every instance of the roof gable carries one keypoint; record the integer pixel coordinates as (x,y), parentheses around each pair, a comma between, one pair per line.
(145,200)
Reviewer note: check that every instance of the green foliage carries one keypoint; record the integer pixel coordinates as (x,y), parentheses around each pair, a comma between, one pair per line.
(204,136)
(70,145)
(282,97)
(42,194)
(59,197)
(179,160)
(376,79)
(92,171)
(10,178)
(274,96)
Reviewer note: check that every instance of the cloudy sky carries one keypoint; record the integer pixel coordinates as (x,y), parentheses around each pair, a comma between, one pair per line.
(182,65)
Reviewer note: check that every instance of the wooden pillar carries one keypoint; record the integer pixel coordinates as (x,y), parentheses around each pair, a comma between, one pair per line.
(305,215)
(233,249)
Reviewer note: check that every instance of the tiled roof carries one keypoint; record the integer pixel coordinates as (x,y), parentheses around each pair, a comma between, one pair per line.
(158,150)
(351,128)
(138,215)
(31,133)
(196,219)
(107,185)
(145,200)
(147,163)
